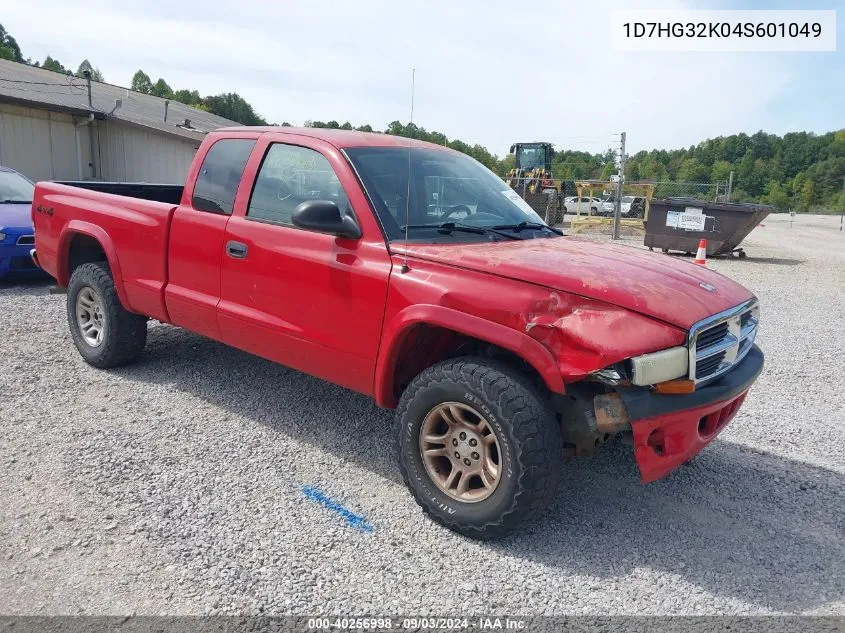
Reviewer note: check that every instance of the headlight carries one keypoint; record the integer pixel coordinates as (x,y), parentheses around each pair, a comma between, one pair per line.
(667,364)
(2,237)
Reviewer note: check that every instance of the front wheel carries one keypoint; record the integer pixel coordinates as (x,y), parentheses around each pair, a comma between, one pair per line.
(478,448)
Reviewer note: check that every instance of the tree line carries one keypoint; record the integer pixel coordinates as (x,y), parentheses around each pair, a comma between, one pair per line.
(800,170)
(9,49)
(229,105)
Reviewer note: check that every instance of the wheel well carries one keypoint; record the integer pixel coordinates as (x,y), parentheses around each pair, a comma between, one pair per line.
(425,345)
(82,250)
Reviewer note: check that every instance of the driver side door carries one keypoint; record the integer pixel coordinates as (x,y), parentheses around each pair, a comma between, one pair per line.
(309,300)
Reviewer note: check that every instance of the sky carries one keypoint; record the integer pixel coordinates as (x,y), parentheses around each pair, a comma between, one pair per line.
(487,71)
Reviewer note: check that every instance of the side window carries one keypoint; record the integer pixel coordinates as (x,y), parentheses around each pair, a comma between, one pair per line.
(220,175)
(290,175)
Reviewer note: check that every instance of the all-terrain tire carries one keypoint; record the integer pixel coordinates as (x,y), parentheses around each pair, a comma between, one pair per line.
(528,436)
(124,334)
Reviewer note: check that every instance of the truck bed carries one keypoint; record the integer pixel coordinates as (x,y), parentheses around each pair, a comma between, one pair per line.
(132,229)
(171,194)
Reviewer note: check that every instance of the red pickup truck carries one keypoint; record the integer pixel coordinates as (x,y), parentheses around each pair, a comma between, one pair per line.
(411,273)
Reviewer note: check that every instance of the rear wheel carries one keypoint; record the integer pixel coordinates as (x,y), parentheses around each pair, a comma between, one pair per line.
(105,334)
(478,448)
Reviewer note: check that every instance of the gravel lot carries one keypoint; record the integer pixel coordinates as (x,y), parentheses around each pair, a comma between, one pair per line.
(175,485)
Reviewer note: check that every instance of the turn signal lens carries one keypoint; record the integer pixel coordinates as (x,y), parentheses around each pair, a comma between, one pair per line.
(675,386)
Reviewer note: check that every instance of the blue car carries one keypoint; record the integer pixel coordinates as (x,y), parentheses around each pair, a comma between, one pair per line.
(17,236)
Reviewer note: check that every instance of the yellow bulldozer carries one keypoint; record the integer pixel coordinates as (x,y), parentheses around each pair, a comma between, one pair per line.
(531,178)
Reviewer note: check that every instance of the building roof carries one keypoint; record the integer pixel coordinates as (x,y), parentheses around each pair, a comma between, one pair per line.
(37,87)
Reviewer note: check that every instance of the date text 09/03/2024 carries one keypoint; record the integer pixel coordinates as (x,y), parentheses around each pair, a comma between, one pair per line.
(482,623)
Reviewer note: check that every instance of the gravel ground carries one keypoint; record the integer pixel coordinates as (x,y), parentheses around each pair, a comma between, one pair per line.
(176,485)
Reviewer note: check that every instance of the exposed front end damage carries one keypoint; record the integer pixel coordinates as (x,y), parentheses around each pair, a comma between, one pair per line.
(610,364)
(668,429)
(590,415)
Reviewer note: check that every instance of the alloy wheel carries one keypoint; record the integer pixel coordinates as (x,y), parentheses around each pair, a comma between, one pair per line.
(460,451)
(90,316)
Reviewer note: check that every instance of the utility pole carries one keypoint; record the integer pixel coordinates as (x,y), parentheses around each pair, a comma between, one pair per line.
(730,185)
(842,213)
(617,215)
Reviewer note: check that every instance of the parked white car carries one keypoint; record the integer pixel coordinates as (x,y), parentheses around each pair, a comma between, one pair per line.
(607,206)
(570,204)
(631,207)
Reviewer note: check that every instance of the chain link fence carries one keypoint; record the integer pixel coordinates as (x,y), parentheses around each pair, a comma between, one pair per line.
(710,191)
(556,202)
(544,196)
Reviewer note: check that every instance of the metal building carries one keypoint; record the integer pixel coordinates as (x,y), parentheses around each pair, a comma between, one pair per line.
(53,128)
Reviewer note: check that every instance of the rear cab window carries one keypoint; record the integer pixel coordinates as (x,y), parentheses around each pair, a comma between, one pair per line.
(220,174)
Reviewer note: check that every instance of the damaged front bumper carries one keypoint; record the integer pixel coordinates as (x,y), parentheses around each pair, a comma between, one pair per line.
(670,429)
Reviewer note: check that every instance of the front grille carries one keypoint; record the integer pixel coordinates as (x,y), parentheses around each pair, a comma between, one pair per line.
(26,240)
(721,341)
(712,336)
(707,366)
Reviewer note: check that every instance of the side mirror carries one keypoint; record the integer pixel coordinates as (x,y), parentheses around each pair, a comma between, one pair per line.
(325,217)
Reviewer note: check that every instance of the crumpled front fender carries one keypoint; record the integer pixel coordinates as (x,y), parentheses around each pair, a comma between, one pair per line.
(586,335)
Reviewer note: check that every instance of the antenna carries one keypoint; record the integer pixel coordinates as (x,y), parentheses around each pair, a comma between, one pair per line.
(408,193)
(413,76)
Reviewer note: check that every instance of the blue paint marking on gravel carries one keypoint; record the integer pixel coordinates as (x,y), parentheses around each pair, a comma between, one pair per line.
(353,520)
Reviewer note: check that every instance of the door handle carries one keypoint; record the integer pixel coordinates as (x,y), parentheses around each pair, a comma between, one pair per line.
(236,249)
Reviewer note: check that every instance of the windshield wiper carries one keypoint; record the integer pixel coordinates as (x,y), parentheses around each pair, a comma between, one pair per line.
(448,227)
(516,228)
(15,201)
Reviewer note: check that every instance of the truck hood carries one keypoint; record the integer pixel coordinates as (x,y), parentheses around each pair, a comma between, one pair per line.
(13,215)
(660,286)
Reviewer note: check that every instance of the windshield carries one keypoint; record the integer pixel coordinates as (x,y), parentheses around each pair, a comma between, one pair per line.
(445,187)
(628,199)
(15,188)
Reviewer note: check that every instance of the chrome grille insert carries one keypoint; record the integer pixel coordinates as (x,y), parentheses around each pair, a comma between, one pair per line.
(712,336)
(707,366)
(719,342)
